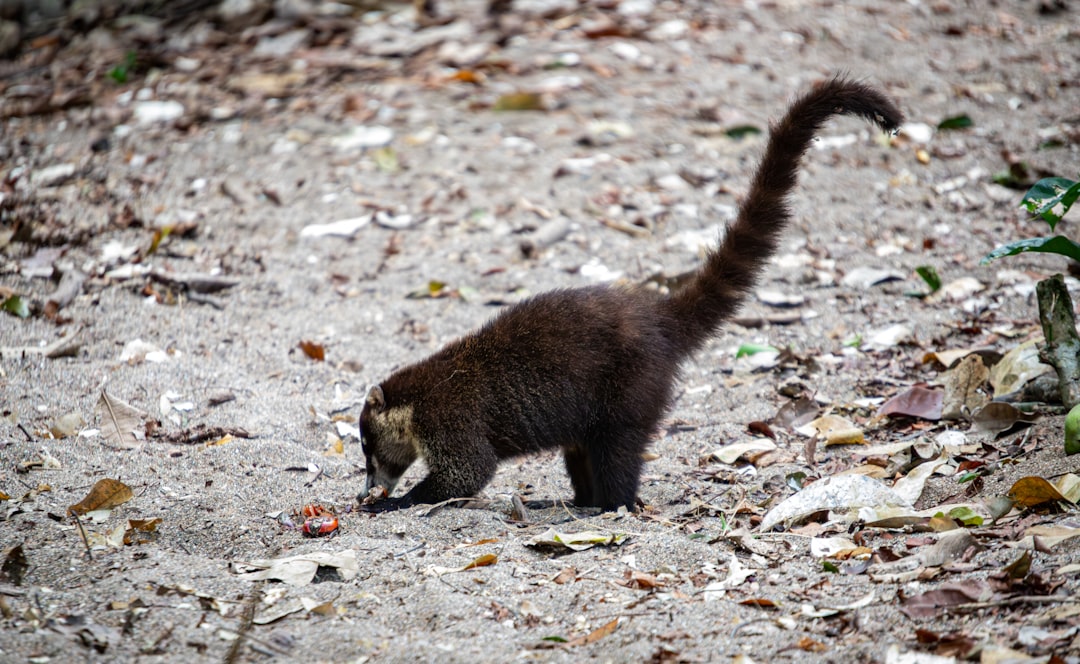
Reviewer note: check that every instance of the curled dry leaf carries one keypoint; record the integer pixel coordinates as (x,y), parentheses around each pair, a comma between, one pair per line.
(483,561)
(1017,368)
(552,539)
(841,493)
(795,413)
(729,454)
(1034,491)
(313,350)
(963,388)
(917,401)
(998,417)
(139,531)
(106,494)
(299,570)
(123,425)
(834,429)
(595,635)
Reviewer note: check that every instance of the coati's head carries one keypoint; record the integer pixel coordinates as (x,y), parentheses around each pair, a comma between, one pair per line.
(389,441)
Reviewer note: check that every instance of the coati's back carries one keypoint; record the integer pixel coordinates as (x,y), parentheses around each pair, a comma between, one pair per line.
(589,370)
(550,370)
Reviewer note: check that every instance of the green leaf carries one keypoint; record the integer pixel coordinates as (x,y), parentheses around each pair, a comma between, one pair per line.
(386,159)
(830,566)
(16,305)
(1059,244)
(853,342)
(796,480)
(120,72)
(967,477)
(1016,176)
(930,276)
(966,516)
(956,122)
(753,349)
(741,131)
(1051,198)
(556,639)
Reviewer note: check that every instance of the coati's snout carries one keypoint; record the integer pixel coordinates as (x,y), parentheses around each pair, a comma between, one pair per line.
(388,440)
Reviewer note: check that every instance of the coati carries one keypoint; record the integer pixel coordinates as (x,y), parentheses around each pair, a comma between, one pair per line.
(589,370)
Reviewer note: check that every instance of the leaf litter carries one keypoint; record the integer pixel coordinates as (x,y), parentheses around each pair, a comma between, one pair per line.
(686,549)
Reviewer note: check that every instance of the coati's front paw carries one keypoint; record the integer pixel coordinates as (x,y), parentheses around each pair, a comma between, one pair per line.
(385,505)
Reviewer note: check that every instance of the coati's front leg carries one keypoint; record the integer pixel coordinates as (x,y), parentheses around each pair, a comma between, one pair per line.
(461,472)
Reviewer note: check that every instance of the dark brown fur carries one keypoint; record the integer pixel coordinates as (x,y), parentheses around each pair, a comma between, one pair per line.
(589,370)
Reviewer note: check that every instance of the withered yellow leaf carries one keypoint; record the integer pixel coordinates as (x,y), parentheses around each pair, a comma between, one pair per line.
(595,635)
(1032,491)
(107,493)
(482,561)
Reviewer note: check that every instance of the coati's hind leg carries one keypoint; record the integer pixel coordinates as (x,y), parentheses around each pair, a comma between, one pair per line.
(615,456)
(580,469)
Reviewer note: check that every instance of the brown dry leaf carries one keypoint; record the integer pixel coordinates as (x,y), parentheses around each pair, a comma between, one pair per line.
(963,385)
(947,358)
(759,602)
(106,493)
(998,417)
(595,635)
(810,645)
(917,401)
(641,580)
(795,413)
(762,429)
(313,350)
(948,595)
(224,440)
(835,429)
(1032,491)
(123,425)
(520,101)
(336,448)
(482,561)
(137,526)
(1020,567)
(566,576)
(145,525)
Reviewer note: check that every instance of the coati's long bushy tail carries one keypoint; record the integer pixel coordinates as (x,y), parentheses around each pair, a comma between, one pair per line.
(732,269)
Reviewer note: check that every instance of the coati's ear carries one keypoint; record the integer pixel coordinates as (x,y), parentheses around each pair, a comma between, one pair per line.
(375,398)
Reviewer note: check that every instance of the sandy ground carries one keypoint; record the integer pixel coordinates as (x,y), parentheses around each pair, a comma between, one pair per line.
(631,152)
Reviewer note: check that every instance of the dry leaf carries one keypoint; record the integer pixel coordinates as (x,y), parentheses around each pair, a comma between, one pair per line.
(520,101)
(928,604)
(300,570)
(123,425)
(998,417)
(917,401)
(576,541)
(106,494)
(595,635)
(963,385)
(482,561)
(835,429)
(313,350)
(136,526)
(641,580)
(1034,491)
